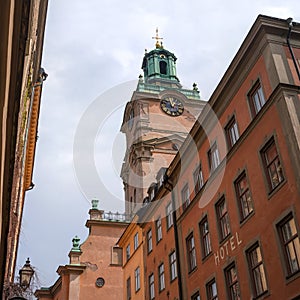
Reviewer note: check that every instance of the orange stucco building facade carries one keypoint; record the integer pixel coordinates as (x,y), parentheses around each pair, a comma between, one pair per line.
(132,241)
(235,185)
(95,266)
(219,219)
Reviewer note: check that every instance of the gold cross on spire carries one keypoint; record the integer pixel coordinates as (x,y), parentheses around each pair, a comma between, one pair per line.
(157,44)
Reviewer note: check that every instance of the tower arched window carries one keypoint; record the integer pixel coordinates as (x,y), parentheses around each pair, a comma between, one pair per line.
(134,197)
(163,67)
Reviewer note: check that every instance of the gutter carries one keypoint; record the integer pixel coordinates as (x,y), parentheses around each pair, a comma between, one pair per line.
(291,24)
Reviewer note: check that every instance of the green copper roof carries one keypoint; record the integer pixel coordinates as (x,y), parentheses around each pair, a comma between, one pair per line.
(159,65)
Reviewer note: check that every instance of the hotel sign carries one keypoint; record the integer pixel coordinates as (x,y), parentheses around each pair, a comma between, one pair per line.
(227,248)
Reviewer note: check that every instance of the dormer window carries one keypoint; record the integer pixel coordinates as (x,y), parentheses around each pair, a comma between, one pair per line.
(163,67)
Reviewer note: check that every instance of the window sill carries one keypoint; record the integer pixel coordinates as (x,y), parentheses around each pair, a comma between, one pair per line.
(172,280)
(246,219)
(205,258)
(227,237)
(291,277)
(276,189)
(262,296)
(157,242)
(168,228)
(192,271)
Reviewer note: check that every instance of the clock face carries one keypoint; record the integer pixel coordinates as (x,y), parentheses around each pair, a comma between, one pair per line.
(172,106)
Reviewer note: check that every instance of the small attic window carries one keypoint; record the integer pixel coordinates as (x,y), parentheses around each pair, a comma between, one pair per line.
(163,67)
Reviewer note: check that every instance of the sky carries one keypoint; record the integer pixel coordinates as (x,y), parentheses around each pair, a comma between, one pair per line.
(93,53)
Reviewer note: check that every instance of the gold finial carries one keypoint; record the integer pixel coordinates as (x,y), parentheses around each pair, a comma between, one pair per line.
(157,44)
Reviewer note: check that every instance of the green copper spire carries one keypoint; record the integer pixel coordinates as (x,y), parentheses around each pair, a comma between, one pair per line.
(159,65)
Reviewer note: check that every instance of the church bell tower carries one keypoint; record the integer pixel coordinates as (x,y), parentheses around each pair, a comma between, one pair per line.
(156,121)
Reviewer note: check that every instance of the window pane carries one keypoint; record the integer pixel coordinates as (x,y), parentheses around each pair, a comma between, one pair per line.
(185,195)
(127,252)
(257,271)
(128,288)
(137,279)
(232,283)
(211,290)
(213,157)
(290,244)
(169,215)
(173,266)
(191,252)
(198,179)
(205,238)
(272,165)
(244,196)
(136,241)
(149,240)
(232,132)
(223,217)
(158,230)
(257,99)
(151,287)
(161,274)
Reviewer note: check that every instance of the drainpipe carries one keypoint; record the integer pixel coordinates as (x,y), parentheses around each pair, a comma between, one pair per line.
(179,280)
(290,22)
(177,256)
(168,184)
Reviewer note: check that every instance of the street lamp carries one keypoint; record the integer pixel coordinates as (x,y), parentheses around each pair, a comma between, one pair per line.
(26,274)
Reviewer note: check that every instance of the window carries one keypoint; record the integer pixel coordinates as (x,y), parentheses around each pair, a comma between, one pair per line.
(158,230)
(290,244)
(256,99)
(211,290)
(223,218)
(185,196)
(151,287)
(257,271)
(163,67)
(232,133)
(272,164)
(134,198)
(137,276)
(131,204)
(205,237)
(173,265)
(117,256)
(191,252)
(198,179)
(169,212)
(136,241)
(128,288)
(196,296)
(128,252)
(243,195)
(232,283)
(213,157)
(161,277)
(149,240)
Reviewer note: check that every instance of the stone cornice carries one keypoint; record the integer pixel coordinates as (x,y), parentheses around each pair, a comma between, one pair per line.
(70,269)
(32,136)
